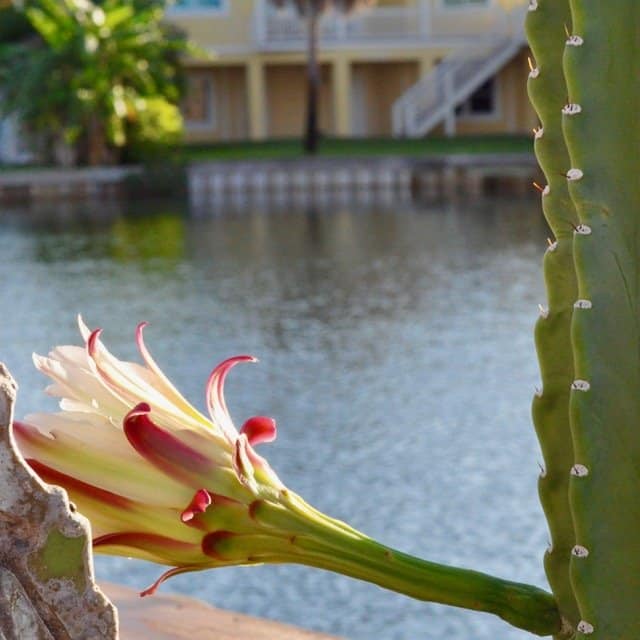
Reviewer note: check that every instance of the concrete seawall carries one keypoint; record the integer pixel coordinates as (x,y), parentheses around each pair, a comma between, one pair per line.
(302,180)
(37,185)
(316,180)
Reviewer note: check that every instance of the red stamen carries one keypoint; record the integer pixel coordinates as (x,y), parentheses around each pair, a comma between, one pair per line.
(211,541)
(161,448)
(92,342)
(144,541)
(241,461)
(151,589)
(259,429)
(199,503)
(215,392)
(52,476)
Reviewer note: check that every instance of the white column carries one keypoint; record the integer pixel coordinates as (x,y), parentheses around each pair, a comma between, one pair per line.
(342,96)
(256,98)
(450,118)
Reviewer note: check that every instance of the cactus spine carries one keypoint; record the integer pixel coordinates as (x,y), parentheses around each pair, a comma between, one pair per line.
(545,25)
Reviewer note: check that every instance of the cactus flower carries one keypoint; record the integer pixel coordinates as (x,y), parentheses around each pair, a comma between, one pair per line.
(160,481)
(157,479)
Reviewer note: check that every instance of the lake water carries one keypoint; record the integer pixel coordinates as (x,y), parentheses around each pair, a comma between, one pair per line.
(396,354)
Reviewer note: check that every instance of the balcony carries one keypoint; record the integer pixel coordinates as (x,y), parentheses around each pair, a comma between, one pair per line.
(421,22)
(284,30)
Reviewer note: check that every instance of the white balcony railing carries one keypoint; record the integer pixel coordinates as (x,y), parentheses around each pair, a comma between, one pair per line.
(277,29)
(420,21)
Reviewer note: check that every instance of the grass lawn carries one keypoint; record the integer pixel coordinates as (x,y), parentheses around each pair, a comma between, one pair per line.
(355,147)
(334,147)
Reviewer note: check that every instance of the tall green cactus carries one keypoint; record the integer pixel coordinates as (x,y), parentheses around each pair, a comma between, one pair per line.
(603,137)
(593,382)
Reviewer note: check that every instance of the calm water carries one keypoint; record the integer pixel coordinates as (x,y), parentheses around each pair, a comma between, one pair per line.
(395,352)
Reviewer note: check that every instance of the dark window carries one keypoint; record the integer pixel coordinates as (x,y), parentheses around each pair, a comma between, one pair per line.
(481,102)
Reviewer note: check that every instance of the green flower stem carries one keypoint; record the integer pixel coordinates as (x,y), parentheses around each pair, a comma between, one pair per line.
(316,540)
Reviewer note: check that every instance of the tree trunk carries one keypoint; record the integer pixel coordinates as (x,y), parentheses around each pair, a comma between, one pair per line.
(96,147)
(313,82)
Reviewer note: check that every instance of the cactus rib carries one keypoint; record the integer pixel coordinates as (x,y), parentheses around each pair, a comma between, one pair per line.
(545,25)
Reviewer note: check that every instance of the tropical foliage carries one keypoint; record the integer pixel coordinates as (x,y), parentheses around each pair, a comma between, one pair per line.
(85,82)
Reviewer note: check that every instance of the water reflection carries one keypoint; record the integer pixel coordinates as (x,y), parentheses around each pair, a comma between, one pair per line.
(396,354)
(115,234)
(157,237)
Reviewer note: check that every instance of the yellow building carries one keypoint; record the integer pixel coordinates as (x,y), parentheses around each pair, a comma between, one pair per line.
(404,67)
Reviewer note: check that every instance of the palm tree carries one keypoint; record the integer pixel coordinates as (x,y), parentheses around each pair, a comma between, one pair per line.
(312,11)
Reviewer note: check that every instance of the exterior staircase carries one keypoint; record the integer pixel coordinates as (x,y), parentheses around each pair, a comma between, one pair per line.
(433,99)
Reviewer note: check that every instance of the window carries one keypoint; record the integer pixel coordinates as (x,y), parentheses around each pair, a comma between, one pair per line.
(213,6)
(483,102)
(198,105)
